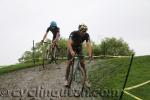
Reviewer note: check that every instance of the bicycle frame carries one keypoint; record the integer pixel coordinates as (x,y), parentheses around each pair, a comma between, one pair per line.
(49,54)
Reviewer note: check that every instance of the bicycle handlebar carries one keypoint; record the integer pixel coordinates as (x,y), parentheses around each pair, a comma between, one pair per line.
(44,42)
(89,60)
(47,42)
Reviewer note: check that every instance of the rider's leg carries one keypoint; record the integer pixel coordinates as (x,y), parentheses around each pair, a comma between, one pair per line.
(81,57)
(52,51)
(86,82)
(69,63)
(56,45)
(82,63)
(84,69)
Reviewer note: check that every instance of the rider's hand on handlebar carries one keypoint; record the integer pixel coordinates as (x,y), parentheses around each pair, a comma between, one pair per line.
(73,53)
(90,58)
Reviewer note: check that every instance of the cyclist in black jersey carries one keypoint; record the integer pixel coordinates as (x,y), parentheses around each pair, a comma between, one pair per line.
(55,31)
(74,45)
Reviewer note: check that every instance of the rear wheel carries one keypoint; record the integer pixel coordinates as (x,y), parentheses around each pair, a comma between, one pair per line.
(58,55)
(55,55)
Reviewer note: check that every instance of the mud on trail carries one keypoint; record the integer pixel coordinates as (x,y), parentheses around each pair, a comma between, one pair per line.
(32,84)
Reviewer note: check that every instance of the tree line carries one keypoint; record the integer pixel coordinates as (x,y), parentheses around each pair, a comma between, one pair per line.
(108,46)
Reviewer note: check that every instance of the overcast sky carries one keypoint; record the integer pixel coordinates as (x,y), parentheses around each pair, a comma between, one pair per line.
(22,21)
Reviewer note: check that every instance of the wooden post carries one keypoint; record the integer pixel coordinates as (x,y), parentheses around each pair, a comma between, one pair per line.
(33,54)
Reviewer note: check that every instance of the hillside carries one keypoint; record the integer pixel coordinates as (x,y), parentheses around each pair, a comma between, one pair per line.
(110,74)
(105,75)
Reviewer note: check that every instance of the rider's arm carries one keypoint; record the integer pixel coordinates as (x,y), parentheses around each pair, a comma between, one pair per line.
(70,42)
(89,48)
(45,35)
(69,45)
(88,44)
(57,37)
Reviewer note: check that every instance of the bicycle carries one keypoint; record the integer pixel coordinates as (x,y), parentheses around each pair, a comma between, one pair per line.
(77,74)
(50,54)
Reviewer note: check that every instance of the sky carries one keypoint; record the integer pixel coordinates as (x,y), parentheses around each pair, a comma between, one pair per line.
(22,21)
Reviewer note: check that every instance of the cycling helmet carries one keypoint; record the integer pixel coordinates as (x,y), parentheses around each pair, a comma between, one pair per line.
(82,28)
(53,24)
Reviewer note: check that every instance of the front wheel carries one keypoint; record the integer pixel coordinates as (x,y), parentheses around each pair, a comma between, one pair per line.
(46,58)
(79,77)
(70,77)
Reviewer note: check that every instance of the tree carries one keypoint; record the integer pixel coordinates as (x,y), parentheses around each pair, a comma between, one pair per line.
(108,46)
(27,57)
(115,47)
(39,49)
(96,49)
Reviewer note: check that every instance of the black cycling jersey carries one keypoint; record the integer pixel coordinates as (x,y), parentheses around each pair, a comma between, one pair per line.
(78,39)
(54,30)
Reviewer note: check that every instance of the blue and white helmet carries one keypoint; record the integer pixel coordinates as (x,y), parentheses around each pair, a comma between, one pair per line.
(53,24)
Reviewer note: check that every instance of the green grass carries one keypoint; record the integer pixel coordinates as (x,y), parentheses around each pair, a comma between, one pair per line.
(15,67)
(111,73)
(10,68)
(141,92)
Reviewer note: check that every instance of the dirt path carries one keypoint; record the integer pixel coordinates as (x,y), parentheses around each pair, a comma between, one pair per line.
(32,84)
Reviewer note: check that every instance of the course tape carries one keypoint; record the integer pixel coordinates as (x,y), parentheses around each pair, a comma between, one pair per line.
(135,97)
(132,87)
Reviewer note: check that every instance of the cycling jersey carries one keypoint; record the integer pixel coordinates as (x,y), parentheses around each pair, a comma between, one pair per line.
(54,30)
(78,38)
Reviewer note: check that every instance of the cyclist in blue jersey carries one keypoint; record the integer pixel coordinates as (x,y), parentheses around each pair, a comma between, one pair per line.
(54,29)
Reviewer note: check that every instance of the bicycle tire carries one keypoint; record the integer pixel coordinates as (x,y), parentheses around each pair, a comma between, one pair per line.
(47,57)
(58,55)
(78,76)
(55,55)
(70,77)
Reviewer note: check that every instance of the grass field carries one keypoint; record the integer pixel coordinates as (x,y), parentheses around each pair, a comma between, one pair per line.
(141,92)
(110,74)
(10,68)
